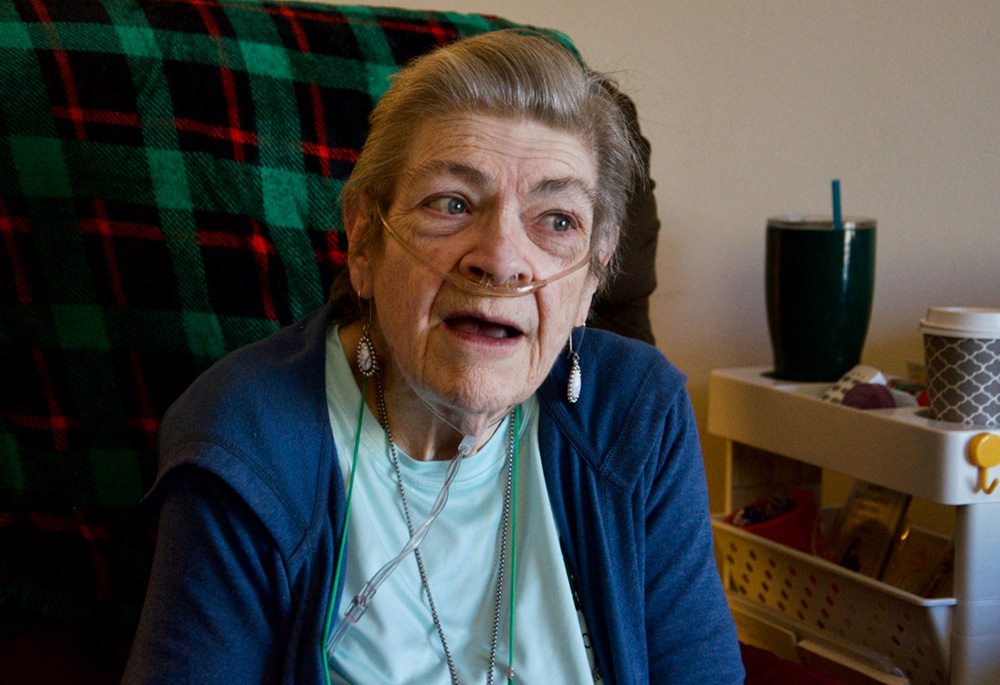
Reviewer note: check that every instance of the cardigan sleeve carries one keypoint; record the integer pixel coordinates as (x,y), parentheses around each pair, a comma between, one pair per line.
(215,609)
(690,634)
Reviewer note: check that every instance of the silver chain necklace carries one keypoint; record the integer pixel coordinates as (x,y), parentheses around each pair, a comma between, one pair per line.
(501,537)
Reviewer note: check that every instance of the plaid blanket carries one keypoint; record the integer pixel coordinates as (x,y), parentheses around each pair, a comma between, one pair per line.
(169,174)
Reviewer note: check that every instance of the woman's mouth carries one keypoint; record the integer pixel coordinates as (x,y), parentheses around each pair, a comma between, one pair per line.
(482,327)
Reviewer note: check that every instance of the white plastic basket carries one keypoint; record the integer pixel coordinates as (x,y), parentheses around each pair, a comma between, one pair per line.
(820,596)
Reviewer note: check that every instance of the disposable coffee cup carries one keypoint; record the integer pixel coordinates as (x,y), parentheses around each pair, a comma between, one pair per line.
(962,355)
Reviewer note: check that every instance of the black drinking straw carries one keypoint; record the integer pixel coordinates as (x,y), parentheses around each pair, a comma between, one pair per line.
(838,221)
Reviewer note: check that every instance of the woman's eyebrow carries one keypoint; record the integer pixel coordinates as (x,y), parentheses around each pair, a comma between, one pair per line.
(555,186)
(467,173)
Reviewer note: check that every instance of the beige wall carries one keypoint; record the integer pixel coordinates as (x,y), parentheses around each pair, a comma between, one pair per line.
(753,107)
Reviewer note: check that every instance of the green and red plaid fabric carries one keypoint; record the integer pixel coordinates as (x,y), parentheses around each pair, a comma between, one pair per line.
(169,174)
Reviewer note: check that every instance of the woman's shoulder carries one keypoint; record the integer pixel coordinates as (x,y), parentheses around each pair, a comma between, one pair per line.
(258,420)
(632,401)
(617,359)
(253,385)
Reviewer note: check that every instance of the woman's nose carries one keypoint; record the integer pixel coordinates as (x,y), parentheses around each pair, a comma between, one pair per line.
(498,255)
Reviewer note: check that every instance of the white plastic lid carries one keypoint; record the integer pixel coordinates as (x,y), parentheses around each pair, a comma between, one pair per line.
(962,322)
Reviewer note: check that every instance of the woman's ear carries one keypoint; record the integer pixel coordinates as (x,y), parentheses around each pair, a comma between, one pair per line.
(604,253)
(586,300)
(357,224)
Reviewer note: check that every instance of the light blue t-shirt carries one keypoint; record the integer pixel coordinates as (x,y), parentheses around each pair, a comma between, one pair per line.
(396,640)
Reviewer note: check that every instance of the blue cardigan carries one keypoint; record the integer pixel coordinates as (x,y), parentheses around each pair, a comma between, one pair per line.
(252,504)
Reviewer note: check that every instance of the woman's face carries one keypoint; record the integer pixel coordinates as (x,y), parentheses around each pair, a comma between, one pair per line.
(480,196)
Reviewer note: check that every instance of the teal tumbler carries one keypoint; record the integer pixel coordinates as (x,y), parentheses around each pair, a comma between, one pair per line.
(819,282)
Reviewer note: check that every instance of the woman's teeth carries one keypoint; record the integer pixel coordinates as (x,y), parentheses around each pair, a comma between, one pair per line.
(483,328)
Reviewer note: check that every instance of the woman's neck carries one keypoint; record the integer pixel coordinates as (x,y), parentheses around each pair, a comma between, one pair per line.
(419,428)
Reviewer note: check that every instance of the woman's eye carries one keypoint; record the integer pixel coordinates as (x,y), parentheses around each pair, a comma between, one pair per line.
(449,205)
(559,223)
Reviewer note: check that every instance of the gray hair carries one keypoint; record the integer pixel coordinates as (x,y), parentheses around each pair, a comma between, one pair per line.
(514,74)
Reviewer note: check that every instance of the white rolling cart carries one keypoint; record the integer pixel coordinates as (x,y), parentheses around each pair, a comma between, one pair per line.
(779,436)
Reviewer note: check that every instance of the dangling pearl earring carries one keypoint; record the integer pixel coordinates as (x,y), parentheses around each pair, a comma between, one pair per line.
(573,389)
(367,359)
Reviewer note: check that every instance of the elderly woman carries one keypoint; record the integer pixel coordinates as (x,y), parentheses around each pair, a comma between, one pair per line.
(304,473)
